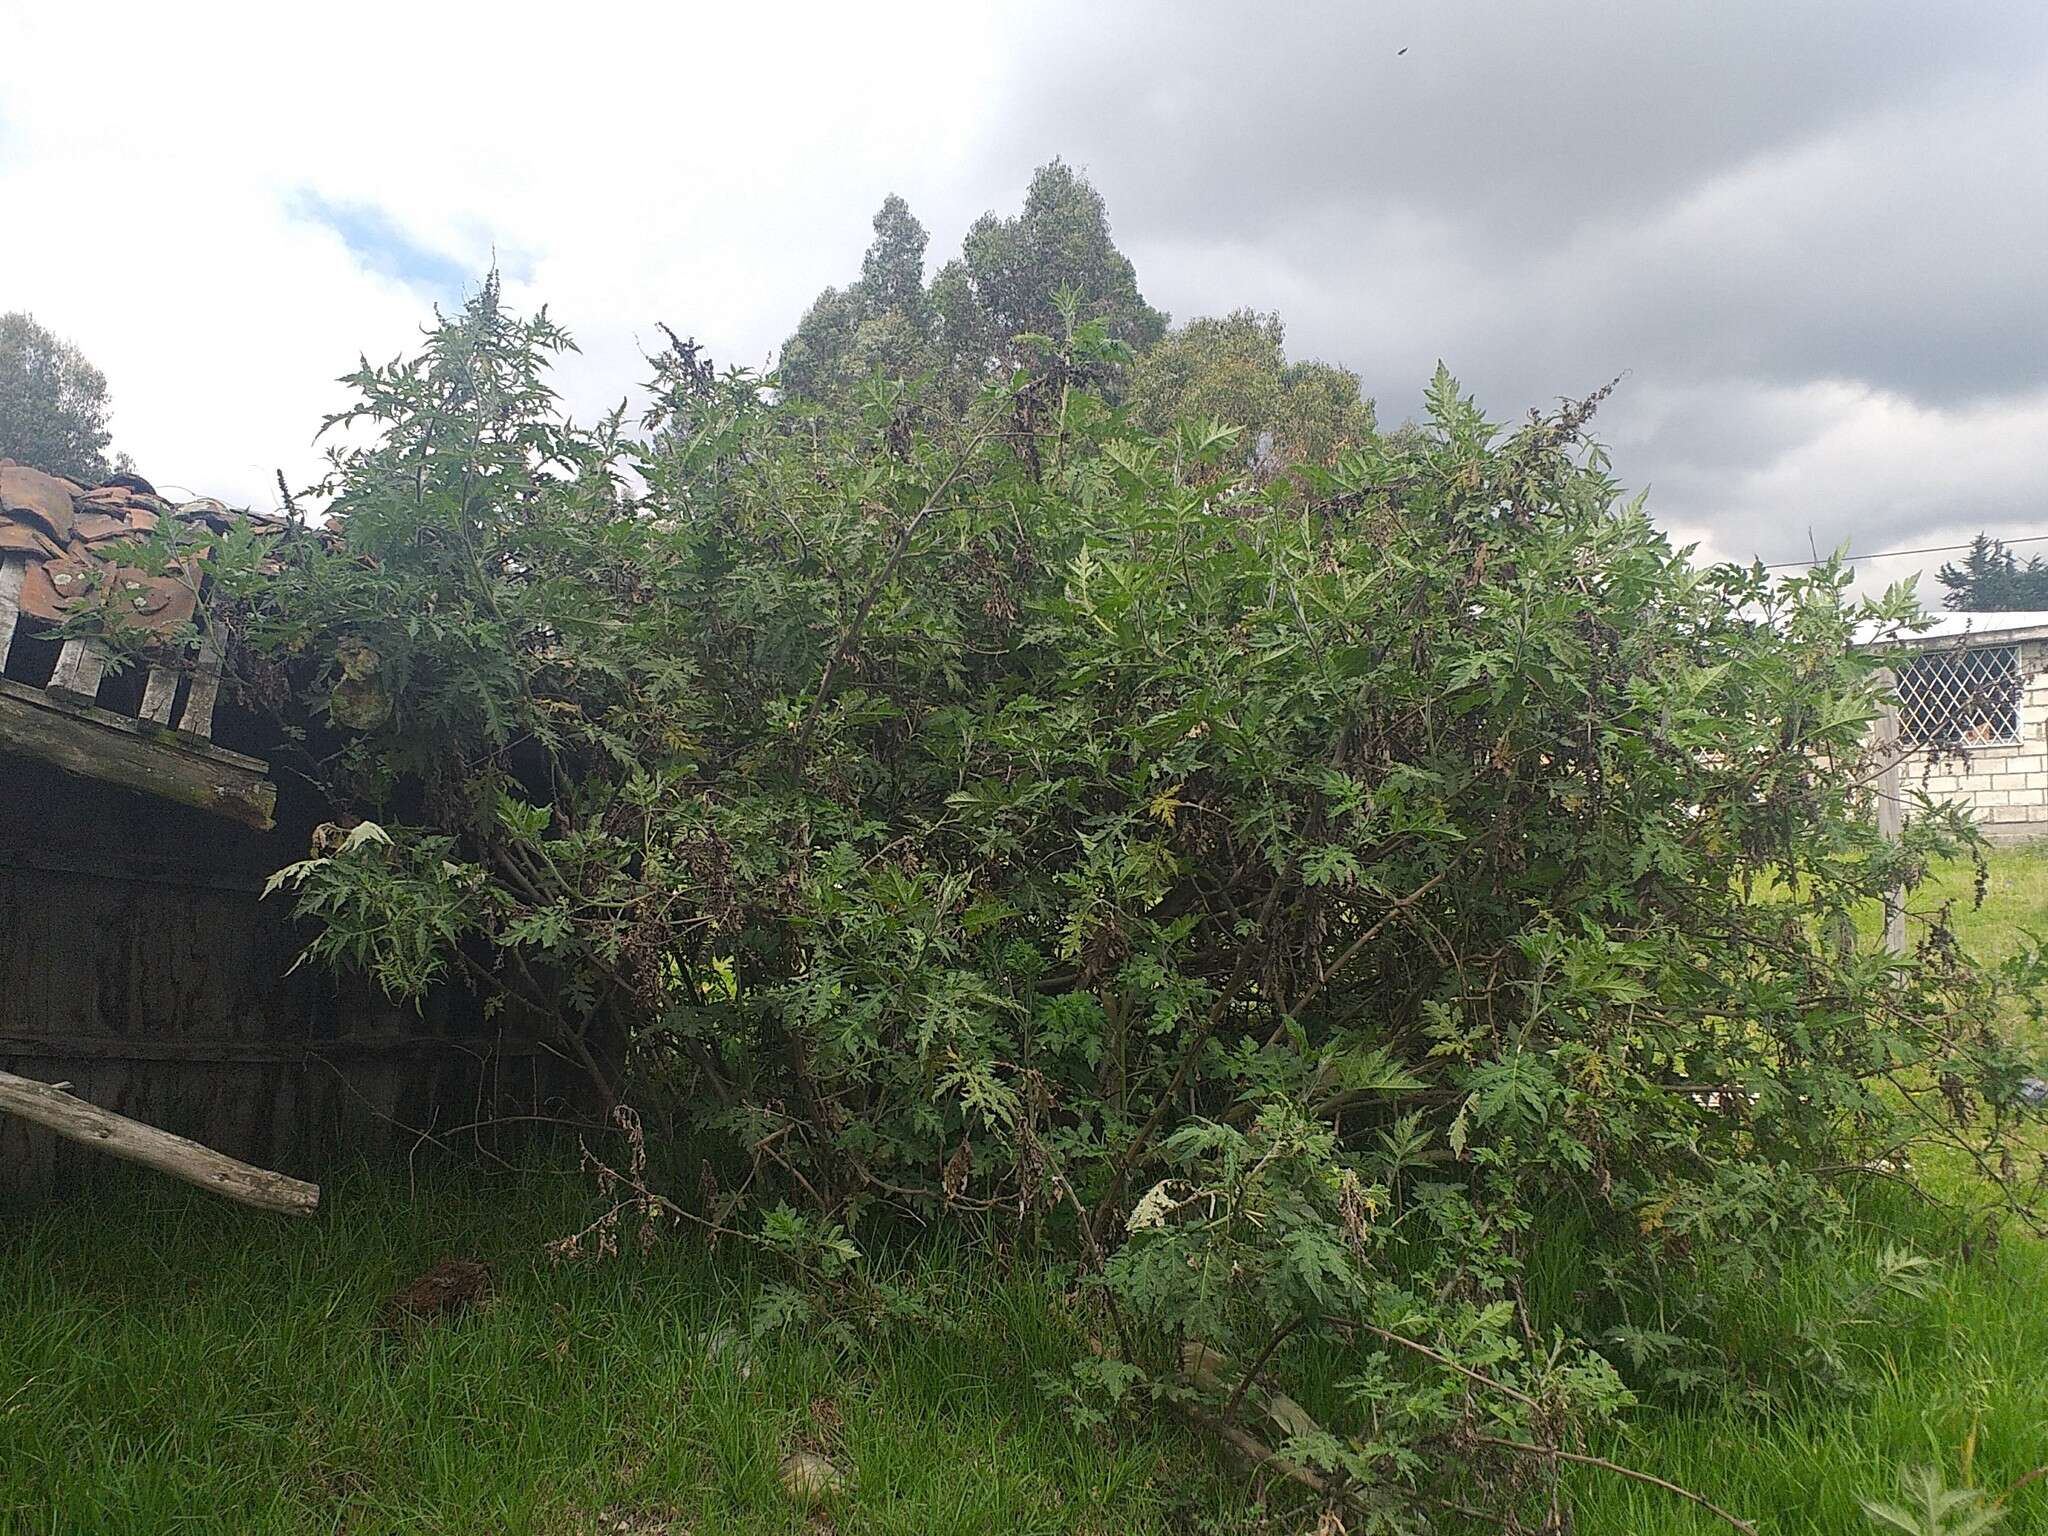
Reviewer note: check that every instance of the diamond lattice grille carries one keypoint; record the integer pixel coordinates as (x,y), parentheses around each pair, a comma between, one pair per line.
(1967,698)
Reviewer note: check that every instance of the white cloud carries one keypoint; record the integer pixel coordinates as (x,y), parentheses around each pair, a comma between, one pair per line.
(713,167)
(1810,239)
(1877,472)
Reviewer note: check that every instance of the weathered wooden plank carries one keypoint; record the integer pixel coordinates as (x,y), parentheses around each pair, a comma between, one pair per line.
(159,695)
(89,1125)
(262,1052)
(205,691)
(98,744)
(136,870)
(11,574)
(80,666)
(1890,812)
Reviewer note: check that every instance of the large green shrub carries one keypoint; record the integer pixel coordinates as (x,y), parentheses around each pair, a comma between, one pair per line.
(1302,900)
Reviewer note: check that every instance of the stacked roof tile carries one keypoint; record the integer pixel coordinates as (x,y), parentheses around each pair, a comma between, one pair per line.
(72,539)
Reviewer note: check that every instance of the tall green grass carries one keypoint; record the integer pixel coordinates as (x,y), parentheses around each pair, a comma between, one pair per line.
(170,1363)
(1957,1380)
(2015,901)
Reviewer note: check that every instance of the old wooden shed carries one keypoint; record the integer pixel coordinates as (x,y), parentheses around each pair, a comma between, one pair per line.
(138,823)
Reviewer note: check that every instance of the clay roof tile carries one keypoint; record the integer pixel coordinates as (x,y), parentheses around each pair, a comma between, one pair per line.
(70,536)
(93,527)
(39,498)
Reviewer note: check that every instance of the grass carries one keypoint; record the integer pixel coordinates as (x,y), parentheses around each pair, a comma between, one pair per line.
(1957,1380)
(2015,901)
(170,1363)
(167,1363)
(1960,1379)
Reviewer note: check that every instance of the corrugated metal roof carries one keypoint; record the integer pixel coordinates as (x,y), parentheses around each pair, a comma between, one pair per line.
(2003,627)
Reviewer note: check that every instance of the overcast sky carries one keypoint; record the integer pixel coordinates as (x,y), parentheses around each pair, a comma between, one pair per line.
(1812,237)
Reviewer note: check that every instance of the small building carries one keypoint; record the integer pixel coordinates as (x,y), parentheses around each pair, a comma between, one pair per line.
(1973,717)
(139,819)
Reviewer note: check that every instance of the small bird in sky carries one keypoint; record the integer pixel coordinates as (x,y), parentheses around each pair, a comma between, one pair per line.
(1399,51)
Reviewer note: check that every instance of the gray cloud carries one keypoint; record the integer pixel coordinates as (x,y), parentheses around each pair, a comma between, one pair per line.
(1802,231)
(1809,232)
(1524,119)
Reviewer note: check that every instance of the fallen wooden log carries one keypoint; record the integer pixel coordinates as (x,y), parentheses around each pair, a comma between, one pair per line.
(50,1106)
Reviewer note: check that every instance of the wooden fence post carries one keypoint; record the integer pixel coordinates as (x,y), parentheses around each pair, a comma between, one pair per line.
(12,573)
(80,666)
(199,701)
(1890,813)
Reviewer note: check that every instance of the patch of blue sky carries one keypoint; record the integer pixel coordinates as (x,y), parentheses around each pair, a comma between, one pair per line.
(382,245)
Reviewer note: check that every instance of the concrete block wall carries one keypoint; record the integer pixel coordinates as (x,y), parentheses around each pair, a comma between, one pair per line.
(2006,786)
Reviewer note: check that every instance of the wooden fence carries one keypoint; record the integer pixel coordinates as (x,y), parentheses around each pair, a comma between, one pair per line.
(139,963)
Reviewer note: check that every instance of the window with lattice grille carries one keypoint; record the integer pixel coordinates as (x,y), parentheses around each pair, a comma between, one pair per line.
(1965,698)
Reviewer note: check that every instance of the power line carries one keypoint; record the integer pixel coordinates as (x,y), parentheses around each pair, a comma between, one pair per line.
(1900,554)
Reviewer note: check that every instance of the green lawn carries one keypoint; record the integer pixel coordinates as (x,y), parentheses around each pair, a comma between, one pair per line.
(1956,1377)
(170,1363)
(1964,1376)
(2015,901)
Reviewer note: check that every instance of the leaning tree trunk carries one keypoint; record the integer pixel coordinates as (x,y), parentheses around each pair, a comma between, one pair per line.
(73,1118)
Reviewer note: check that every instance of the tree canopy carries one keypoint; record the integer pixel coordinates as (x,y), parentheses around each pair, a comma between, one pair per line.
(1234,370)
(1992,578)
(995,307)
(1004,282)
(962,327)
(883,323)
(53,402)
